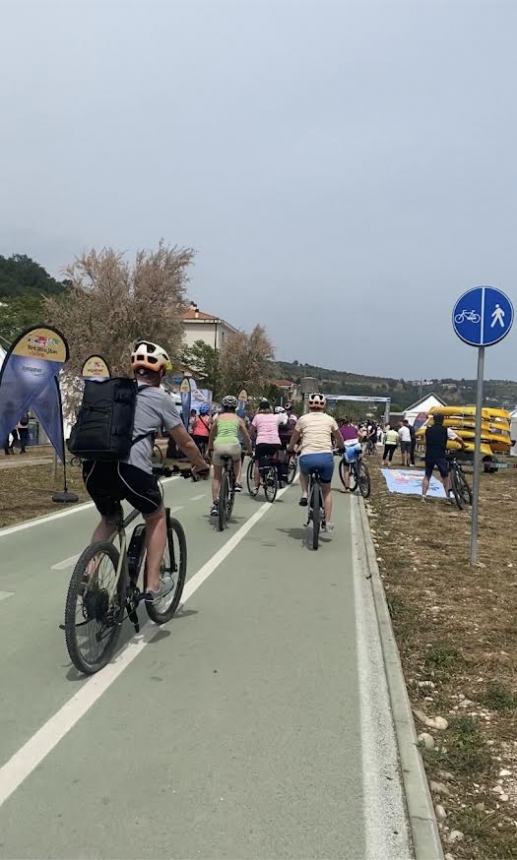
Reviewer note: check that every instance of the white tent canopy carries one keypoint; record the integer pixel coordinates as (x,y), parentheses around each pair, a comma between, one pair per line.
(423,405)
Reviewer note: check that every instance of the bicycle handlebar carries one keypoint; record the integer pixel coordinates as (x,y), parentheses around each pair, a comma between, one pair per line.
(167,472)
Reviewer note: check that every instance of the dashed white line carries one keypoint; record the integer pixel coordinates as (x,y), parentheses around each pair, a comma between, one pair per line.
(197,498)
(67,562)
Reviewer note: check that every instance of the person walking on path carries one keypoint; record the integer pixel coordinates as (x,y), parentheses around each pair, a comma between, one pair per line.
(413,446)
(436,438)
(391,440)
(405,442)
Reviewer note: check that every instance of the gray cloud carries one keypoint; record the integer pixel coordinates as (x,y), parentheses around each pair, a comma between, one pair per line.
(344,170)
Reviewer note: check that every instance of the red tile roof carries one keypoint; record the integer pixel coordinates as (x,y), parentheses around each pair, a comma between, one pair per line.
(193,314)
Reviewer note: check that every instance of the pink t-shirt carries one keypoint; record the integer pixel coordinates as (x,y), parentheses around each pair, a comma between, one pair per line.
(266,425)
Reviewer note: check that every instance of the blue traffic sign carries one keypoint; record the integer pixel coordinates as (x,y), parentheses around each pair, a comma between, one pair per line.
(482,316)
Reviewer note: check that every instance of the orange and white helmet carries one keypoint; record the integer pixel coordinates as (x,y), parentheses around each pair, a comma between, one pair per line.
(150,356)
(317,401)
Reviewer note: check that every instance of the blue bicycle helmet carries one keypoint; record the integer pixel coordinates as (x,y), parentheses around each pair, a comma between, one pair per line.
(204,409)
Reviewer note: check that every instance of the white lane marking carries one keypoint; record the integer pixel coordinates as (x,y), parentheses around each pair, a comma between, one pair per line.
(38,521)
(32,753)
(5,594)
(177,508)
(67,562)
(197,498)
(385,834)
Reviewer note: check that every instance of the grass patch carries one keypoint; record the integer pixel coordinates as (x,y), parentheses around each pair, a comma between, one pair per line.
(442,660)
(463,749)
(404,617)
(476,825)
(497,697)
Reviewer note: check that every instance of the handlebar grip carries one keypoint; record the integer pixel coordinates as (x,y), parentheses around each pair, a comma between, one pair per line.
(162,471)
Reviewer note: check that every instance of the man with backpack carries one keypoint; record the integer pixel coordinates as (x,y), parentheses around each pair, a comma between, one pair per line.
(114,435)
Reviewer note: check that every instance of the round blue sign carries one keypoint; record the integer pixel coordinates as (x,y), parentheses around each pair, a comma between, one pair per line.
(482,316)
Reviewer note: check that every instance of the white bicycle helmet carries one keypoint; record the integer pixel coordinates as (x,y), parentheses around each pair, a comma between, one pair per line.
(279,410)
(150,356)
(317,401)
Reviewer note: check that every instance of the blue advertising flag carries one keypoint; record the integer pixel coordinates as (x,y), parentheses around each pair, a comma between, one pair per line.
(29,381)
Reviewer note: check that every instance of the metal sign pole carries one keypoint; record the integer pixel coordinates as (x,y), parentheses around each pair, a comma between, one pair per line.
(477,458)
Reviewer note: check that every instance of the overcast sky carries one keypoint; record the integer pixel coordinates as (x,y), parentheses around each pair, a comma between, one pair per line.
(343,170)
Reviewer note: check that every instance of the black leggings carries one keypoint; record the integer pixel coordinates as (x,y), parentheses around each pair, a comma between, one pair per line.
(389,451)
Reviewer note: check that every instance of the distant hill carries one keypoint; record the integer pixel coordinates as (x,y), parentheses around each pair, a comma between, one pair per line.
(498,392)
(23,284)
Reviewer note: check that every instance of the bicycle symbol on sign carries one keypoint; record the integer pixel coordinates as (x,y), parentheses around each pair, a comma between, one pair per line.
(467,316)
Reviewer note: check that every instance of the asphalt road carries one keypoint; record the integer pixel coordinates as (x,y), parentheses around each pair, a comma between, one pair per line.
(255,725)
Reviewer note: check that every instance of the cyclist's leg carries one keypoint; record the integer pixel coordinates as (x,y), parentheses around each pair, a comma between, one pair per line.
(304,464)
(429,466)
(327,501)
(142,491)
(216,482)
(101,483)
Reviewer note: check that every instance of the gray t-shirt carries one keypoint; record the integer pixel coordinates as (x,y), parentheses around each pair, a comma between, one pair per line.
(155,411)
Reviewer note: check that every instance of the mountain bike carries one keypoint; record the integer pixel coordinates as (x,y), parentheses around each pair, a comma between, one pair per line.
(226,493)
(268,478)
(292,467)
(358,476)
(108,584)
(316,510)
(459,484)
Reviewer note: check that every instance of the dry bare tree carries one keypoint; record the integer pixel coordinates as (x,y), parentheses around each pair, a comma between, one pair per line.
(245,361)
(111,303)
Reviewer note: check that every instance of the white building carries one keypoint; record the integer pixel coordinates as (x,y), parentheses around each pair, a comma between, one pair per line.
(198,325)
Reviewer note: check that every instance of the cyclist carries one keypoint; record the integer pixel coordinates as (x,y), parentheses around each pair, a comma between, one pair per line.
(264,429)
(110,482)
(318,435)
(224,441)
(436,438)
(201,428)
(285,431)
(353,448)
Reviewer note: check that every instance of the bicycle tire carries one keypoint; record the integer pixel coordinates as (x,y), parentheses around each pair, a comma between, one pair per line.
(292,468)
(343,466)
(363,480)
(456,491)
(177,564)
(316,515)
(250,479)
(230,480)
(223,501)
(464,488)
(84,664)
(270,481)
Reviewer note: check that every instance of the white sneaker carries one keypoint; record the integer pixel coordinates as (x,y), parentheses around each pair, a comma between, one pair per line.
(329,528)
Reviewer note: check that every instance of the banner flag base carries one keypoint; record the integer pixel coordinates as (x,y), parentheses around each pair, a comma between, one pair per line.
(65,497)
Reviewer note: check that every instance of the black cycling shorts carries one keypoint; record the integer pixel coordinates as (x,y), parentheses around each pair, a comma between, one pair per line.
(266,449)
(436,461)
(109,483)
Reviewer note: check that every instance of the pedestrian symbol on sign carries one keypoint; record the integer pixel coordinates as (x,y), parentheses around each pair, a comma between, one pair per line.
(497,317)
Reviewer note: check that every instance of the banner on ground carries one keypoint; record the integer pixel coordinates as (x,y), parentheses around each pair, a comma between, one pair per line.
(29,381)
(410,483)
(95,368)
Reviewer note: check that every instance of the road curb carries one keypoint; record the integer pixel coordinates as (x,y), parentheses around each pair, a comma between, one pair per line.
(424,828)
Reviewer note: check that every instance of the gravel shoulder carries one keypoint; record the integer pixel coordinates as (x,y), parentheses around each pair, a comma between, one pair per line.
(456,629)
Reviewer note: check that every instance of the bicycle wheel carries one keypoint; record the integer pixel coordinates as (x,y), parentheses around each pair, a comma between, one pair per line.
(270,481)
(315,504)
(250,478)
(223,502)
(292,468)
(343,470)
(94,607)
(363,480)
(174,564)
(464,488)
(230,479)
(456,490)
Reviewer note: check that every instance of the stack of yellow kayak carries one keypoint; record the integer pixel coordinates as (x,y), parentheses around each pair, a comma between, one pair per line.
(495,428)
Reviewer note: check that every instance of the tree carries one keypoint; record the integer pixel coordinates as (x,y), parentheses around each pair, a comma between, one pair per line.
(203,360)
(111,303)
(23,285)
(245,362)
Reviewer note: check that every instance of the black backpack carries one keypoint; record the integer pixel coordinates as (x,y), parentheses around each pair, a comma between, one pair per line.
(104,427)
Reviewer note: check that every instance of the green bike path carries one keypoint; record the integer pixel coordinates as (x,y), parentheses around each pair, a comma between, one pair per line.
(256,724)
